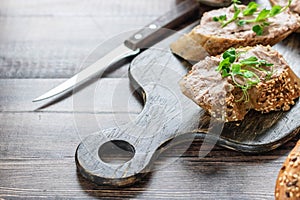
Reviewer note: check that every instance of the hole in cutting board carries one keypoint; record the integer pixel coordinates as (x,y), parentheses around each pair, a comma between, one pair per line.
(116,152)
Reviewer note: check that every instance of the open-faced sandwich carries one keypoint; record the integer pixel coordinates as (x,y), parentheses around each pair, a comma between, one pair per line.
(235,26)
(231,84)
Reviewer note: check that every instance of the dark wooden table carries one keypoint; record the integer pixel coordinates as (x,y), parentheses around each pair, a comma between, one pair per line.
(42,43)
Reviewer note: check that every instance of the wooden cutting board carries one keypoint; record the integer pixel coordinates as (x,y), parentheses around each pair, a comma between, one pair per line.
(169,118)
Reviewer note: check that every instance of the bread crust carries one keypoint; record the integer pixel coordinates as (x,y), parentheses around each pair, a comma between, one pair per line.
(288,180)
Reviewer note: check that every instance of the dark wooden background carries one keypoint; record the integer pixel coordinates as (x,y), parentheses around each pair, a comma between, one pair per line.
(42,43)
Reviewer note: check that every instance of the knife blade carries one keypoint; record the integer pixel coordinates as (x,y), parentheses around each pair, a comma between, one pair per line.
(152,33)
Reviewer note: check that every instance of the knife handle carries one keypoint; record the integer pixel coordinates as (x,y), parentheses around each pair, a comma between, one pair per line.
(159,29)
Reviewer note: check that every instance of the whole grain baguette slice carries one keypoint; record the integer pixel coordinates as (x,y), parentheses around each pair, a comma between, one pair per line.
(215,39)
(288,180)
(222,97)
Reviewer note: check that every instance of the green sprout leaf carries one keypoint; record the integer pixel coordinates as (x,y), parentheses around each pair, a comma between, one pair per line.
(230,54)
(236,1)
(258,29)
(221,18)
(224,64)
(225,73)
(236,69)
(264,63)
(248,74)
(262,15)
(275,10)
(241,22)
(251,9)
(250,61)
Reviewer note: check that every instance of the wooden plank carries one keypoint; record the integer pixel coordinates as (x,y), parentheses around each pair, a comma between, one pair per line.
(37,161)
(180,181)
(36,135)
(106,96)
(50,39)
(13,8)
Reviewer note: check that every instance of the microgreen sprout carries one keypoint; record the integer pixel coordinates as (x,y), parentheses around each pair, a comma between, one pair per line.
(252,8)
(234,18)
(221,18)
(232,66)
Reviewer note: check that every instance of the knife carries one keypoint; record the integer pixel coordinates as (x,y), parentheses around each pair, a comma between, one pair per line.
(152,33)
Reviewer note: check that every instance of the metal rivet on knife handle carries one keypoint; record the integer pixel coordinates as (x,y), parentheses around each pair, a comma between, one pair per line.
(156,31)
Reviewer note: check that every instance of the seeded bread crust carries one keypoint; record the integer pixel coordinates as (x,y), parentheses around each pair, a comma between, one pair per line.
(288,180)
(221,98)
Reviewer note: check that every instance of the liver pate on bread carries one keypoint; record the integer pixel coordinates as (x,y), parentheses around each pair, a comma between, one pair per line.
(294,7)
(221,97)
(288,180)
(215,39)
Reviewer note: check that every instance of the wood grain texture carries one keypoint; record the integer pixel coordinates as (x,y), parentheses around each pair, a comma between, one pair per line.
(50,39)
(37,161)
(109,95)
(44,41)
